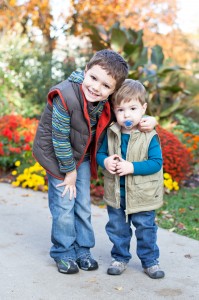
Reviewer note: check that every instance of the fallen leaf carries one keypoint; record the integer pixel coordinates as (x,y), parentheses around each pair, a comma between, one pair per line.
(171,220)
(196,195)
(181,226)
(182,210)
(164,212)
(92,280)
(191,207)
(187,256)
(168,216)
(119,288)
(172,229)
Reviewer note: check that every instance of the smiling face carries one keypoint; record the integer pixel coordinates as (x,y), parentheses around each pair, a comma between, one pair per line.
(129,114)
(97,84)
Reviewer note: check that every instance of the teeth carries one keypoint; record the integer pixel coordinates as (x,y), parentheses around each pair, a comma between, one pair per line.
(93,93)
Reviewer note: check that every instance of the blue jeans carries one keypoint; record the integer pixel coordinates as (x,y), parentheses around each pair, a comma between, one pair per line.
(72,233)
(120,234)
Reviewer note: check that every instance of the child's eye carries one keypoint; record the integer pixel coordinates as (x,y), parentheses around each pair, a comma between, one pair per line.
(93,77)
(107,86)
(132,108)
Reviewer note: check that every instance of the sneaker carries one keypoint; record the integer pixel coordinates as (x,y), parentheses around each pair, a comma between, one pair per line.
(67,266)
(117,267)
(154,272)
(87,263)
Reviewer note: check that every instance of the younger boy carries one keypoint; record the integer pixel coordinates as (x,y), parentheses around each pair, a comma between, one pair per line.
(133,181)
(69,133)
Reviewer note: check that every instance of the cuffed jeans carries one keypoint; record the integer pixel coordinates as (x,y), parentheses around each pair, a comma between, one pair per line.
(72,232)
(120,234)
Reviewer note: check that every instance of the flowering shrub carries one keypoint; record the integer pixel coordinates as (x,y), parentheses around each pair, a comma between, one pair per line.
(169,183)
(16,137)
(33,177)
(176,157)
(187,130)
(192,143)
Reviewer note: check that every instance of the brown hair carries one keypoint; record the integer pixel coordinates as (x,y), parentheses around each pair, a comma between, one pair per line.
(130,89)
(113,63)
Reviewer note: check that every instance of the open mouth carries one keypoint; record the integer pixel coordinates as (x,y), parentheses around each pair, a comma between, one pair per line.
(92,93)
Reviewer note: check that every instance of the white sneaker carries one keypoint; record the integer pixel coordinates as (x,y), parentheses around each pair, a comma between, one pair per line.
(116,267)
(154,272)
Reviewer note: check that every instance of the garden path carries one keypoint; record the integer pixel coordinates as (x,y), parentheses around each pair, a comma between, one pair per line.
(27,272)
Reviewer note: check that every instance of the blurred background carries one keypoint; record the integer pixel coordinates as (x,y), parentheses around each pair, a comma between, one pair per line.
(42,42)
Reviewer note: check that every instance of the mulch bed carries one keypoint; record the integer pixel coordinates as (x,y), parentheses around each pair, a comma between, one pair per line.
(192,181)
(6,176)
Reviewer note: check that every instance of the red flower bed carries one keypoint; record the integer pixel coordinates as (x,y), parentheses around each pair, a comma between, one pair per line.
(177,158)
(16,135)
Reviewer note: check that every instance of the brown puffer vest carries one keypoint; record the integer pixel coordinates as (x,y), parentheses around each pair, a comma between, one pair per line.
(43,149)
(73,101)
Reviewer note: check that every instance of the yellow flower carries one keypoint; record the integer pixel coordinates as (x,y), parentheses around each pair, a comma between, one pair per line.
(17,163)
(169,183)
(167,176)
(32,177)
(14,173)
(176,188)
(24,185)
(16,183)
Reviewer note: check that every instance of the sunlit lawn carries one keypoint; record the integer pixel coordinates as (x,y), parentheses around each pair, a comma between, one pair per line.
(180,213)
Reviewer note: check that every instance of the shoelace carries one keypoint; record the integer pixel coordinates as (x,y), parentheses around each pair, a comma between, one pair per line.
(86,257)
(154,268)
(117,263)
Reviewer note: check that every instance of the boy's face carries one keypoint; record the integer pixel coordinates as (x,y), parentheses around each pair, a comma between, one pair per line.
(129,114)
(97,84)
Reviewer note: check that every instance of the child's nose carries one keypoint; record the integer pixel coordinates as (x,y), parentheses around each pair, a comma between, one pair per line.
(126,113)
(97,86)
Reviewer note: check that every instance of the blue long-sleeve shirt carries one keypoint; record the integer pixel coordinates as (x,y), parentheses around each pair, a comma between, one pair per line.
(147,167)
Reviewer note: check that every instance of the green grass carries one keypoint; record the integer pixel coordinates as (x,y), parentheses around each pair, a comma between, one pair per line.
(180,212)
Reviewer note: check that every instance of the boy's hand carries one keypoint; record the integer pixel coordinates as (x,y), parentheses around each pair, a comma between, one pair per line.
(124,167)
(110,163)
(70,184)
(147,124)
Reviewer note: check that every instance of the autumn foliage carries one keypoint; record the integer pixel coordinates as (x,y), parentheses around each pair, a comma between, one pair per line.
(149,16)
(177,158)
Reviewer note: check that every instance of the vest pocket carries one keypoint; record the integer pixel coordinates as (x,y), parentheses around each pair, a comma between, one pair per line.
(148,189)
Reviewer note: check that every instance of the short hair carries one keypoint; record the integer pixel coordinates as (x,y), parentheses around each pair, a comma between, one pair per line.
(130,89)
(113,63)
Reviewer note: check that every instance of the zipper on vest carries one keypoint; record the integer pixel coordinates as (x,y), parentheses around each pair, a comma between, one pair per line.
(89,126)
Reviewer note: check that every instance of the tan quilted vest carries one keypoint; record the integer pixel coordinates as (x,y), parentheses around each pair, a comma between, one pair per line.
(142,193)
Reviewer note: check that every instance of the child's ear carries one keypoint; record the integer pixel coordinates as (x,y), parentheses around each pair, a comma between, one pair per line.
(86,69)
(144,108)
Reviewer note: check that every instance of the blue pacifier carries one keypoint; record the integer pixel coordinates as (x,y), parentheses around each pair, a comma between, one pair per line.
(128,124)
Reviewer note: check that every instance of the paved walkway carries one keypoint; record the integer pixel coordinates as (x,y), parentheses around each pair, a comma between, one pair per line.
(27,272)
